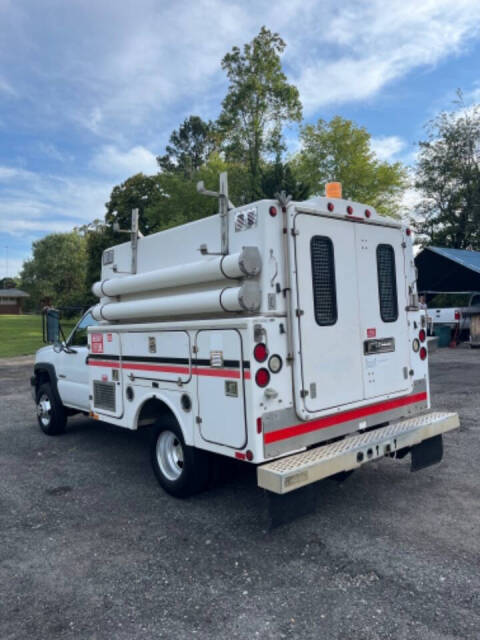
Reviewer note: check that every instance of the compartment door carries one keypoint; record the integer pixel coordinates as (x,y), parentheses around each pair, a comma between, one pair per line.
(383,299)
(220,387)
(329,372)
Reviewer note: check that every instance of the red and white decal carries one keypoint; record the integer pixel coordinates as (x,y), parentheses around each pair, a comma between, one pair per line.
(97,342)
(371,333)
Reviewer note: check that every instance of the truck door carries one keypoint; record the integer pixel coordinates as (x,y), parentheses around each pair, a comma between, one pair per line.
(72,368)
(382,301)
(327,334)
(221,398)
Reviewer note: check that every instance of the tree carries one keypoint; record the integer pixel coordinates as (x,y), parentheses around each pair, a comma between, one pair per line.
(189,147)
(259,102)
(340,150)
(448,178)
(277,177)
(55,274)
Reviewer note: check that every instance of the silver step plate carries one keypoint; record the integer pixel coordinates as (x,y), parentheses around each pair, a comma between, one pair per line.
(292,472)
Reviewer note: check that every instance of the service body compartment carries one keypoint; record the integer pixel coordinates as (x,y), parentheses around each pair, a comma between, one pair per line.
(220,374)
(106,381)
(158,356)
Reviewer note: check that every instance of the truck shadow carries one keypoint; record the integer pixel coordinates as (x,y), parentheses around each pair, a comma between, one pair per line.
(233,492)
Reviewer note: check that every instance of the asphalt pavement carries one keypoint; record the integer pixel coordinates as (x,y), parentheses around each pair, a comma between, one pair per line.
(91,547)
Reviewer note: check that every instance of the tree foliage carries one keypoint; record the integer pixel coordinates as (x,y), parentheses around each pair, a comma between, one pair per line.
(189,148)
(448,178)
(340,151)
(259,102)
(55,275)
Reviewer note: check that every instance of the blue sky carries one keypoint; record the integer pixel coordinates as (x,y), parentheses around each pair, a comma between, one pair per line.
(91,90)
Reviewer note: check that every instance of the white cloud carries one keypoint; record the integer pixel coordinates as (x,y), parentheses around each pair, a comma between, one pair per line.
(35,203)
(109,160)
(377,42)
(385,147)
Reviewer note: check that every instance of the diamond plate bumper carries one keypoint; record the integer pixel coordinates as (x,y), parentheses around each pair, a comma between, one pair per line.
(292,472)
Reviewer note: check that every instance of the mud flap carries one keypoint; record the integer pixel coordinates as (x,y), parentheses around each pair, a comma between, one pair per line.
(285,508)
(427,453)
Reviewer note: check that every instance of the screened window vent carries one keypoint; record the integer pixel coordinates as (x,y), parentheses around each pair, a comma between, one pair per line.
(387,283)
(323,280)
(104,395)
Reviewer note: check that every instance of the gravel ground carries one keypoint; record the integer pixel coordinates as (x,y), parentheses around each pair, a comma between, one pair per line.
(90,546)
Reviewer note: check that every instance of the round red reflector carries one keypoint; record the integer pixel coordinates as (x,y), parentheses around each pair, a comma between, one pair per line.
(330,206)
(262,377)
(368,213)
(249,455)
(457,315)
(260,353)
(349,210)
(273,211)
(423,353)
(408,231)
(422,335)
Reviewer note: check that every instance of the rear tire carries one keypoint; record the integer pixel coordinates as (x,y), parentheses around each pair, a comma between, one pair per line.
(51,414)
(181,470)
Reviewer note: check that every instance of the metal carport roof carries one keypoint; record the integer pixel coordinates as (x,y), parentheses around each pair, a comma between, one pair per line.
(442,270)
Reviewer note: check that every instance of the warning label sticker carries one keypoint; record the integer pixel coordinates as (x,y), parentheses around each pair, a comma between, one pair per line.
(371,333)
(97,342)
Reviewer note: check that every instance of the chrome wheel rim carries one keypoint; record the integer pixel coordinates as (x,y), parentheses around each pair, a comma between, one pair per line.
(170,455)
(44,409)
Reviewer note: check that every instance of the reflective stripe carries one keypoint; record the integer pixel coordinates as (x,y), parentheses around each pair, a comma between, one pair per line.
(339,418)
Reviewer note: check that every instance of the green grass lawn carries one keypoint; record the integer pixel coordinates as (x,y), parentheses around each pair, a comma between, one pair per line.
(22,335)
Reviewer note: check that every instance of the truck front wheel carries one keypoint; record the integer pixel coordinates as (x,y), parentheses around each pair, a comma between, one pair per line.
(51,413)
(181,470)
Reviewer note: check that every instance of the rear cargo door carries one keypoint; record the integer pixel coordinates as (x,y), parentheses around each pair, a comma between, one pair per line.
(327,335)
(383,318)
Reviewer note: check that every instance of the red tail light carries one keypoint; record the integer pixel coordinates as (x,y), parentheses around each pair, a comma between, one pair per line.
(408,231)
(349,210)
(330,206)
(249,455)
(368,213)
(273,211)
(259,425)
(262,377)
(458,315)
(423,353)
(260,353)
(422,335)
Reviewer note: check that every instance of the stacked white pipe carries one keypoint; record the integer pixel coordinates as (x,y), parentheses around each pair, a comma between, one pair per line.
(243,295)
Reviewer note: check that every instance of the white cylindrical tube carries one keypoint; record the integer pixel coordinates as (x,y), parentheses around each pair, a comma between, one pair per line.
(244,298)
(238,265)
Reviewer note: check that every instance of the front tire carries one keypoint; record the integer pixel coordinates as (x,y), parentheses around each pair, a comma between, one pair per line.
(51,414)
(181,470)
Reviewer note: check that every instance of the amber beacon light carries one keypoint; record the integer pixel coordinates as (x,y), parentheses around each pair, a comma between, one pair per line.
(333,189)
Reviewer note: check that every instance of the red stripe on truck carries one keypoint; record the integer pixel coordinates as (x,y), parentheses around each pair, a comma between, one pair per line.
(196,371)
(339,418)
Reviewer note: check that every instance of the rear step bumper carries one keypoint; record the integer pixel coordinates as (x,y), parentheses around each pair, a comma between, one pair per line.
(292,472)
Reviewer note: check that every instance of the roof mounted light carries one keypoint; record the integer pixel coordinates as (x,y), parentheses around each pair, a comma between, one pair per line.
(333,190)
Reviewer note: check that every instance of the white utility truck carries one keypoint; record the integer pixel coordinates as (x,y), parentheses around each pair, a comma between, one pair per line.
(284,334)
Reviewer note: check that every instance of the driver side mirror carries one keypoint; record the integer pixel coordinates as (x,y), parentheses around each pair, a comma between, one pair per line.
(51,326)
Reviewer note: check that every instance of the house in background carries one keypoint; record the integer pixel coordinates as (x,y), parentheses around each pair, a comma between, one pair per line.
(11,300)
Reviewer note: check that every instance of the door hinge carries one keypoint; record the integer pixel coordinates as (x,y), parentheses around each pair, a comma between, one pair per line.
(198,420)
(303,393)
(295,232)
(195,348)
(299,312)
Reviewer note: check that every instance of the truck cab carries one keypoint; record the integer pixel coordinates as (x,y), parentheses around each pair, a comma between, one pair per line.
(61,375)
